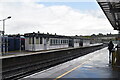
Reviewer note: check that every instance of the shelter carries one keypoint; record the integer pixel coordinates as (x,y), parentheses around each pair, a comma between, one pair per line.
(111,8)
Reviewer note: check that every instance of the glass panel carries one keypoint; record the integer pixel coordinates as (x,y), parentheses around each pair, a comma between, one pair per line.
(51,42)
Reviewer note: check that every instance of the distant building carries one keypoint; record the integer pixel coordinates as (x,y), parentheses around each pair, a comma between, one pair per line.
(40,41)
(103,38)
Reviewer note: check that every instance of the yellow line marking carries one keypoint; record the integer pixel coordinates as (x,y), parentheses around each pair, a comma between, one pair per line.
(69,71)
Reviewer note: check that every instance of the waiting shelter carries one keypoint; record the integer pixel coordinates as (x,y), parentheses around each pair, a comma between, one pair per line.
(111,9)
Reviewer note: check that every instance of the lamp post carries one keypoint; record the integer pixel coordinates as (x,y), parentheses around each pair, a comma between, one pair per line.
(0,42)
(3,33)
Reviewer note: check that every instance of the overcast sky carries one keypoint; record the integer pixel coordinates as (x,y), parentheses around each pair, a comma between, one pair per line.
(63,18)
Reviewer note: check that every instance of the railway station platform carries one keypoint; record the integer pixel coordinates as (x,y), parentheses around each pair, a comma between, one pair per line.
(24,53)
(19,52)
(93,66)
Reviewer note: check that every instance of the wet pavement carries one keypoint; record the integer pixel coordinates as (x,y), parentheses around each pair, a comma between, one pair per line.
(91,66)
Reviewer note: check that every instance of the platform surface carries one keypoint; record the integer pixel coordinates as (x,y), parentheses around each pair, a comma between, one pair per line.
(25,53)
(93,66)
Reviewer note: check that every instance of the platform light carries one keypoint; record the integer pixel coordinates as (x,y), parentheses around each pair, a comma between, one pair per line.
(3,32)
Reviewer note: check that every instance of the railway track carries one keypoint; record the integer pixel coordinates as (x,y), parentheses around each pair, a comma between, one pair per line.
(26,68)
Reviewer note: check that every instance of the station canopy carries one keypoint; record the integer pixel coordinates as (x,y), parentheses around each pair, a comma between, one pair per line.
(111,8)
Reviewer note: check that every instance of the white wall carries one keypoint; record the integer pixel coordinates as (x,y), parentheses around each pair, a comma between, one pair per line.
(57,45)
(86,43)
(45,44)
(76,45)
(29,47)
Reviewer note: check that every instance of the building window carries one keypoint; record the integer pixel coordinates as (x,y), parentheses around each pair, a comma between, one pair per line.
(41,40)
(76,40)
(30,40)
(65,41)
(53,41)
(50,41)
(56,41)
(61,41)
(37,40)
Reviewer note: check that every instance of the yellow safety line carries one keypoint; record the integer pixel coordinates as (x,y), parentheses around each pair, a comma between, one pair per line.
(69,71)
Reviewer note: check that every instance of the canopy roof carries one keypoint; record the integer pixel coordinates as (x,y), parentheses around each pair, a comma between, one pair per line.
(111,8)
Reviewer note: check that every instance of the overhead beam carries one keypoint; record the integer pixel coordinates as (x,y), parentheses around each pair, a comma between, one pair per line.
(111,10)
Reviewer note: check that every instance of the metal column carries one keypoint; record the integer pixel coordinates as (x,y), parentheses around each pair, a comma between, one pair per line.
(118,51)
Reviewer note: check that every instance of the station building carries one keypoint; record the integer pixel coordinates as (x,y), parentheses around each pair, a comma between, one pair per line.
(40,41)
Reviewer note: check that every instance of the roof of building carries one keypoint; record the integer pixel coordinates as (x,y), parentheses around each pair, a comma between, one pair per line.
(49,35)
(44,35)
(111,8)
